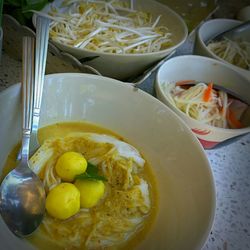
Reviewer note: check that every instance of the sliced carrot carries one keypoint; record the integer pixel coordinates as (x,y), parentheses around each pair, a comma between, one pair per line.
(221,109)
(183,82)
(232,120)
(208,92)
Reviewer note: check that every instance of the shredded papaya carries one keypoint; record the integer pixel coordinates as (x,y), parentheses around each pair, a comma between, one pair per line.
(208,92)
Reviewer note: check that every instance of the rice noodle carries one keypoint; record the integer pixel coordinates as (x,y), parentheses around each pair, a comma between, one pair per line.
(125,205)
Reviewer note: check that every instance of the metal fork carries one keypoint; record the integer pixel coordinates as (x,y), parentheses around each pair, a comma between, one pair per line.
(42,35)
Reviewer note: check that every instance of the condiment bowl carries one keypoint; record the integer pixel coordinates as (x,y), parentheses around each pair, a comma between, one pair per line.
(203,69)
(123,66)
(186,200)
(209,30)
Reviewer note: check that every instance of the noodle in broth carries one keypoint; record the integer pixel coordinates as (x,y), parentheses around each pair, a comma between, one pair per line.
(127,210)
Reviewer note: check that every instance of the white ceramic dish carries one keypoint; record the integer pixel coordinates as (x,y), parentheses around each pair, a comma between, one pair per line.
(210,29)
(205,70)
(185,182)
(125,66)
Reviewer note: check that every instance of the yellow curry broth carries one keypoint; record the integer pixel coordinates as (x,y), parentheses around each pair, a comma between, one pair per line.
(39,239)
(11,162)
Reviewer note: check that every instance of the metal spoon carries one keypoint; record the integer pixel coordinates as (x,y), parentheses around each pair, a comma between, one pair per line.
(241,31)
(22,195)
(42,37)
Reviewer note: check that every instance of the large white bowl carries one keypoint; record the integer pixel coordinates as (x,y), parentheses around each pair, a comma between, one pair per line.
(185,182)
(206,70)
(129,65)
(210,29)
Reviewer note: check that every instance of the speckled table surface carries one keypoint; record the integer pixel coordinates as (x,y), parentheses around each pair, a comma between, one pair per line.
(230,165)
(231,169)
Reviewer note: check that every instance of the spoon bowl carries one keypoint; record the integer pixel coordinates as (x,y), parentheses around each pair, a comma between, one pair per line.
(22,195)
(22,200)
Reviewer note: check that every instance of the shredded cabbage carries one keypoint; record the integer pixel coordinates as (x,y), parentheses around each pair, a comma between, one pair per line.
(107,26)
(234,52)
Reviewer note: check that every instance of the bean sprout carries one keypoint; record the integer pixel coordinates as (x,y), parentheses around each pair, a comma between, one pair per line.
(234,52)
(108,26)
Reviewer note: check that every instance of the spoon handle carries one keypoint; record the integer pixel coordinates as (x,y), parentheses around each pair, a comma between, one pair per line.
(27,93)
(42,36)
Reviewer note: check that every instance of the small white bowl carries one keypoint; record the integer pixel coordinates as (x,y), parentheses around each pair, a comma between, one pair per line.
(205,70)
(210,29)
(186,206)
(128,65)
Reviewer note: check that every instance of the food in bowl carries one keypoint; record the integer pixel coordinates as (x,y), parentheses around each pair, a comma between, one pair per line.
(101,192)
(127,51)
(112,27)
(198,69)
(236,52)
(205,104)
(185,206)
(210,29)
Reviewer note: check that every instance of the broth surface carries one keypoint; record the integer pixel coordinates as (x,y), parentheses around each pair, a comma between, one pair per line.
(39,239)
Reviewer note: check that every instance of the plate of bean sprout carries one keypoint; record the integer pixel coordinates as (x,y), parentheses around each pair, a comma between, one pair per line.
(118,38)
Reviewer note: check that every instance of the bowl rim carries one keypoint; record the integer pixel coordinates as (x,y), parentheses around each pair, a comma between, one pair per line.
(159,85)
(211,219)
(213,21)
(172,48)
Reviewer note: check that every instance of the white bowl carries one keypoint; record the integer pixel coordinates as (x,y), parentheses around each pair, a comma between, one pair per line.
(205,70)
(129,65)
(210,29)
(185,182)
